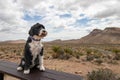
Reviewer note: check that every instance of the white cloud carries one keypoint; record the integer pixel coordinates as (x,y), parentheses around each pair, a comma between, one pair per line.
(100,13)
(103,9)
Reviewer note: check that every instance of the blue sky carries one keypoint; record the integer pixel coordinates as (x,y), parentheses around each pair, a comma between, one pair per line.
(63,19)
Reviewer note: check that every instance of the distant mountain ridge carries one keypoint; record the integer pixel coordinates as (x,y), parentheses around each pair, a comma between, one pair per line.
(110,35)
(14,41)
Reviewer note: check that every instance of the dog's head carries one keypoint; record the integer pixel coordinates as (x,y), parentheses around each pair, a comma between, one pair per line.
(38,30)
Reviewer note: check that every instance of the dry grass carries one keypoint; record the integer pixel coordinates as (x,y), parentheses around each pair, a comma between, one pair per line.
(73,58)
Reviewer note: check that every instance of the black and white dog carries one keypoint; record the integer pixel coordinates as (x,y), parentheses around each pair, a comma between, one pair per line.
(33,52)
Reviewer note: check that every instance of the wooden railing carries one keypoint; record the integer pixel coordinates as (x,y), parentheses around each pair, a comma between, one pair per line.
(8,72)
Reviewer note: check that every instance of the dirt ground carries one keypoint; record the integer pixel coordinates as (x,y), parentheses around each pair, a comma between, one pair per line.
(75,66)
(79,68)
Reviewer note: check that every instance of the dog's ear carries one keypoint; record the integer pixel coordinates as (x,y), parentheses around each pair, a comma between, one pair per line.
(31,31)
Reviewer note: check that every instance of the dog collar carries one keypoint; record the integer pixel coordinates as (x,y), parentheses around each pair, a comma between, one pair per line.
(34,39)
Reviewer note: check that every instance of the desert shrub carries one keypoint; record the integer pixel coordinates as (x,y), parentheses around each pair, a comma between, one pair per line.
(117,56)
(101,74)
(65,52)
(2,49)
(98,55)
(89,51)
(19,53)
(116,51)
(80,53)
(67,56)
(72,52)
(60,53)
(68,50)
(99,61)
(118,78)
(77,56)
(56,48)
(93,54)
(14,51)
(89,57)
(112,62)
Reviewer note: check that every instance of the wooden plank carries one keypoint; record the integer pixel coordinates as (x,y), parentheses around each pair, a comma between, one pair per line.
(11,70)
(74,77)
(20,75)
(47,75)
(56,73)
(34,73)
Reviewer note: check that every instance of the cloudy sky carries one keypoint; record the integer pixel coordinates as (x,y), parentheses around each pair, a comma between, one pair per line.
(63,19)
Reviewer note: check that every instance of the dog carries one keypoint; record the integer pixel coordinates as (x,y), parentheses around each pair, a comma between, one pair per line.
(33,51)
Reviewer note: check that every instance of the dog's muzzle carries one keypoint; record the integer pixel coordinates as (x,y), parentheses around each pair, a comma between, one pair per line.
(43,33)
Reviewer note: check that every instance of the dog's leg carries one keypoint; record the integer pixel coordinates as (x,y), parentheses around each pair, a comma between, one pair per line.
(26,69)
(28,59)
(19,68)
(22,63)
(41,66)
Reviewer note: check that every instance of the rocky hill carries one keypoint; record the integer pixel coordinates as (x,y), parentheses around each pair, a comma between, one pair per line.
(110,35)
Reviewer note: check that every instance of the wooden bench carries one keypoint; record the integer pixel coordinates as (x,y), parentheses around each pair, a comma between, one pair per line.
(8,69)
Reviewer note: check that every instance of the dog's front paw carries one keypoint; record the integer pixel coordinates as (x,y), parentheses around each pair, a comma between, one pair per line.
(42,68)
(27,71)
(19,68)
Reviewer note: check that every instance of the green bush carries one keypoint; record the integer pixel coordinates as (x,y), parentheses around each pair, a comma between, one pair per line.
(115,50)
(60,53)
(56,48)
(93,54)
(89,51)
(101,74)
(68,50)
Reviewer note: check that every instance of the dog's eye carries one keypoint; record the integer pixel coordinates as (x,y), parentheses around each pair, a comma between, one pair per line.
(43,27)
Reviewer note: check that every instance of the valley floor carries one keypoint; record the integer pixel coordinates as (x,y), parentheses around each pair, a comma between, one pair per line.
(78,59)
(75,66)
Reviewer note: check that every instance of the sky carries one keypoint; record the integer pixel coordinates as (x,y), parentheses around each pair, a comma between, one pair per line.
(63,19)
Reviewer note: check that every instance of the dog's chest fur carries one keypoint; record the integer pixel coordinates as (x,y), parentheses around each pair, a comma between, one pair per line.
(35,47)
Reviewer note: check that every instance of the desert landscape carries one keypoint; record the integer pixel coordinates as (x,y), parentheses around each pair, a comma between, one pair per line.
(81,57)
(80,37)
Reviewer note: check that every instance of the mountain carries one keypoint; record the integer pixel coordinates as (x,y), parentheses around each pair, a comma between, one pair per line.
(14,41)
(110,35)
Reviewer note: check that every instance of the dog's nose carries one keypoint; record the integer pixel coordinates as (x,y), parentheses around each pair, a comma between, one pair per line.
(44,31)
